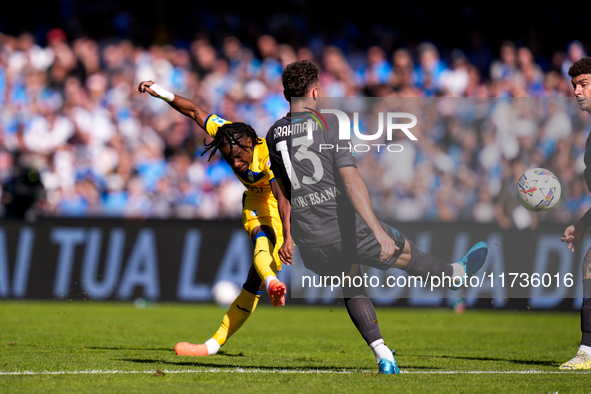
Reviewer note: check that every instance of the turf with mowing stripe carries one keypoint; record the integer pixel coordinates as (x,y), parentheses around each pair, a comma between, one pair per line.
(284,347)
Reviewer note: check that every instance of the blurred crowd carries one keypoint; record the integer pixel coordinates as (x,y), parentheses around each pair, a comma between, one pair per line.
(80,141)
(470,155)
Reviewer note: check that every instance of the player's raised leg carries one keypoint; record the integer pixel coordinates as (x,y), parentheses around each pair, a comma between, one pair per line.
(237,314)
(419,263)
(266,263)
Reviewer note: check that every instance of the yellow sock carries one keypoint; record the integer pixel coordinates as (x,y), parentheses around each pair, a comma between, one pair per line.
(263,258)
(239,311)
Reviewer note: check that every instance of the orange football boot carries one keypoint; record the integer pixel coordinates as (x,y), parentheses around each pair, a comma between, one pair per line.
(277,292)
(191,349)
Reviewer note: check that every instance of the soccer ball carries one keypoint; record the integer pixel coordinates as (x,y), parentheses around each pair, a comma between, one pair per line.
(538,190)
(225,292)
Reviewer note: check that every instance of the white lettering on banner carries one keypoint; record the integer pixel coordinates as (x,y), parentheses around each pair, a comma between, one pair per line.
(237,259)
(548,244)
(111,264)
(188,289)
(142,268)
(91,285)
(23,262)
(67,238)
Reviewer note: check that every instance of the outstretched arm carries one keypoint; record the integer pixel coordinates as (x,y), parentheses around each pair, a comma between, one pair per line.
(181,104)
(284,206)
(359,197)
(574,233)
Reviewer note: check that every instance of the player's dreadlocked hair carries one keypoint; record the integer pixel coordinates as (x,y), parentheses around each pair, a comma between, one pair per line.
(231,134)
(298,77)
(580,67)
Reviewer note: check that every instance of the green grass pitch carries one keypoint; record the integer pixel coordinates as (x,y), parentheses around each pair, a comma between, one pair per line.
(292,349)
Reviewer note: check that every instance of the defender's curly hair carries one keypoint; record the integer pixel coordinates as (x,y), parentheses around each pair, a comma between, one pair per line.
(298,77)
(231,134)
(580,67)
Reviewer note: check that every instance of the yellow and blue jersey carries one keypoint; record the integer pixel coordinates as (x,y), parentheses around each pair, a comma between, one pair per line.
(259,206)
(259,175)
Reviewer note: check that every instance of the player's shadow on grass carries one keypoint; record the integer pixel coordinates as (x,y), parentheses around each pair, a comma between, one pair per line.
(221,352)
(515,361)
(126,348)
(197,363)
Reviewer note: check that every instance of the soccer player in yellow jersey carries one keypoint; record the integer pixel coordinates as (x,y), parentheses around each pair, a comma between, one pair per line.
(248,156)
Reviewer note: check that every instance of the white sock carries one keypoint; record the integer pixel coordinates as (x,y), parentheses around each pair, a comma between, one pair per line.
(268,280)
(380,350)
(459,271)
(586,349)
(212,346)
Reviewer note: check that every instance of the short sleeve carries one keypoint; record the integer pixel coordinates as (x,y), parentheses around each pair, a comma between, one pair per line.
(213,123)
(267,169)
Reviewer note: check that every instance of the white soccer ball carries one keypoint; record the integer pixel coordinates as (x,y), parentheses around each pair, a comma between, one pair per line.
(538,190)
(225,292)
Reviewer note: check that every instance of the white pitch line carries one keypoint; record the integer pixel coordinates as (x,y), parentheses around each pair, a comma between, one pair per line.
(280,371)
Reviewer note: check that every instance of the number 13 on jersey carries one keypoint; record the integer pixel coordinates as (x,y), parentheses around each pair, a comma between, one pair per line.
(302,154)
